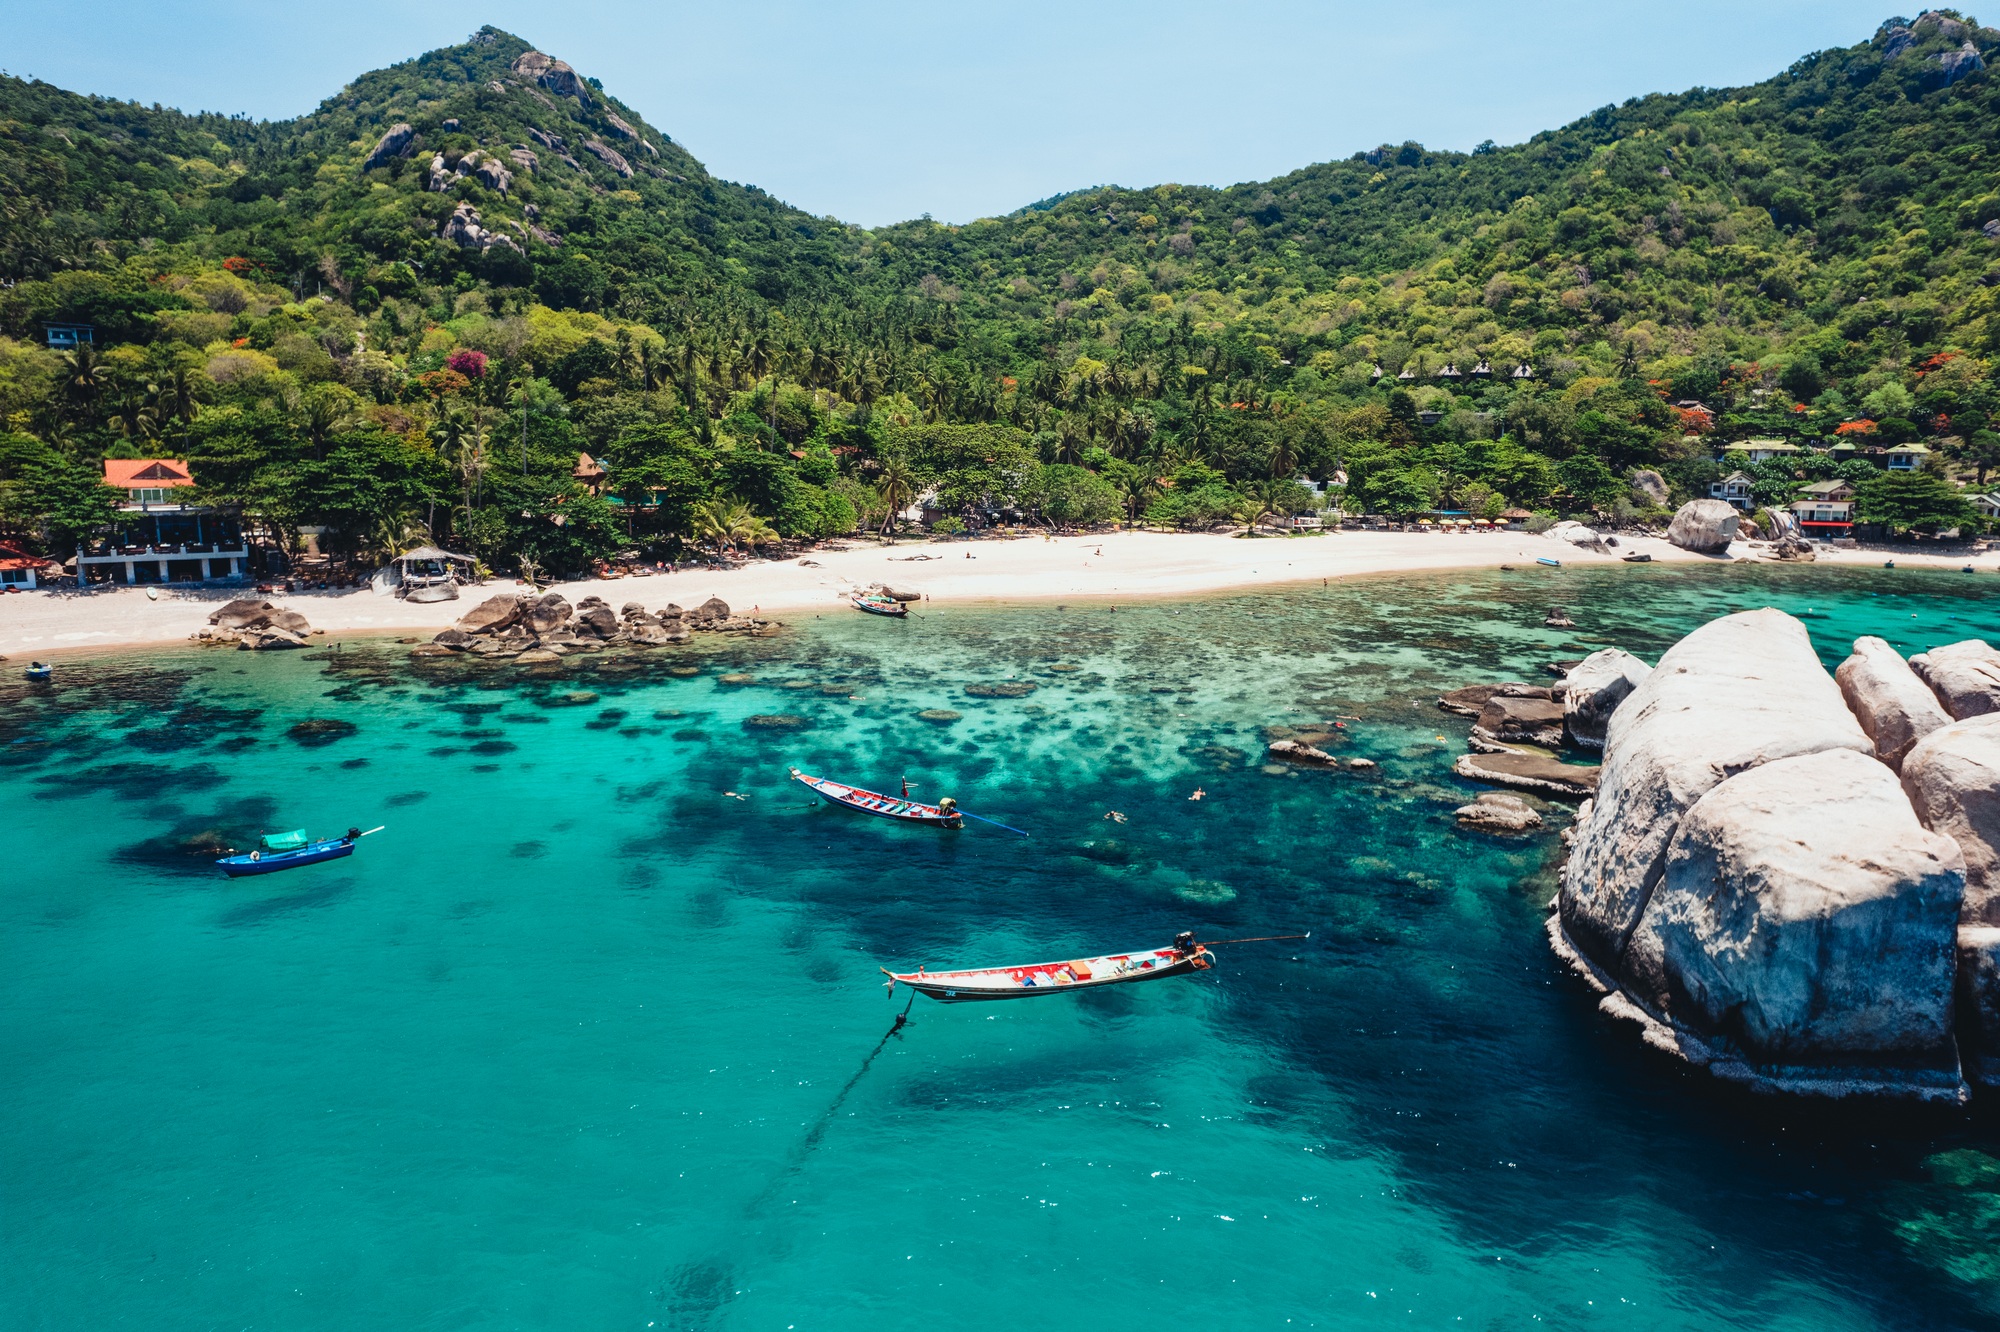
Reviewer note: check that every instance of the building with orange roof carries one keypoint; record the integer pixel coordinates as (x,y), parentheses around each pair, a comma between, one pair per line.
(162,536)
(20,571)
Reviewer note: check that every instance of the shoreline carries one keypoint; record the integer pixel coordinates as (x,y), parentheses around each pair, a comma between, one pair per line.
(1133,566)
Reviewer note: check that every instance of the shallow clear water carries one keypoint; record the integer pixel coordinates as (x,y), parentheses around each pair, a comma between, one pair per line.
(583,1041)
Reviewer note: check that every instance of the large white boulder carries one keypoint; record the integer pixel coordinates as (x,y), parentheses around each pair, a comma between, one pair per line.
(1965,676)
(1952,777)
(1805,929)
(1706,526)
(1739,692)
(1894,707)
(1575,533)
(1594,688)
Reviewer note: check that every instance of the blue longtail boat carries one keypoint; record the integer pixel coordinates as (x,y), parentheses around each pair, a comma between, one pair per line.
(290,850)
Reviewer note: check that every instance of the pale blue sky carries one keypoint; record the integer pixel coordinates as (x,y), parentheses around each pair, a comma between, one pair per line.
(877,112)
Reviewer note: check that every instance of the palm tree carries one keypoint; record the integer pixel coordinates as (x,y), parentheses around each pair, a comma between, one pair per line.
(728,522)
(457,441)
(82,377)
(178,396)
(898,486)
(325,410)
(1137,489)
(135,414)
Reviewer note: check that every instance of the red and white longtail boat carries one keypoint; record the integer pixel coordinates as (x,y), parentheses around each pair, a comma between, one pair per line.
(1183,958)
(944,814)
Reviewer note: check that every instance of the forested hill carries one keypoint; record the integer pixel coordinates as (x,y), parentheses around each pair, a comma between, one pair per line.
(1817,253)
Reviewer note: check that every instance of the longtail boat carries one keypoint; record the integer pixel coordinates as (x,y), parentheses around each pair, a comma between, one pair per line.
(1025,982)
(290,850)
(944,814)
(879,605)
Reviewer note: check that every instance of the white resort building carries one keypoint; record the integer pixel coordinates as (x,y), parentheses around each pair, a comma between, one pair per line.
(158,539)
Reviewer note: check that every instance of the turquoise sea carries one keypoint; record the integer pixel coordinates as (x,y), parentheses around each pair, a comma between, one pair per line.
(585,1040)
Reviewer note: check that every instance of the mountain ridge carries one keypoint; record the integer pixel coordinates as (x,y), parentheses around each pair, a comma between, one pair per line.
(1809,255)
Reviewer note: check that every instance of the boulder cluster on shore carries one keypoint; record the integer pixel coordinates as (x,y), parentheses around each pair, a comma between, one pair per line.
(534,629)
(256,625)
(1792,878)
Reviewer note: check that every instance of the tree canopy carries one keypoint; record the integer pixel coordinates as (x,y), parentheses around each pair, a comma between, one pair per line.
(407,313)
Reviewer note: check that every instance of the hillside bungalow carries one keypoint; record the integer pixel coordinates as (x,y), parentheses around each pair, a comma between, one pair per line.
(1733,489)
(1825,508)
(1906,457)
(1988,505)
(1755,451)
(20,570)
(158,538)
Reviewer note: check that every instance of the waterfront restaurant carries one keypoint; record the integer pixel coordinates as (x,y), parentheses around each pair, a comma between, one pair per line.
(158,538)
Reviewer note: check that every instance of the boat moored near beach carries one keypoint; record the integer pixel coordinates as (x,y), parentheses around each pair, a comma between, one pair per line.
(876,604)
(1023,982)
(290,850)
(944,814)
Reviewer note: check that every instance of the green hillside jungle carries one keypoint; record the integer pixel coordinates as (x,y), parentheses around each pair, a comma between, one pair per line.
(404,316)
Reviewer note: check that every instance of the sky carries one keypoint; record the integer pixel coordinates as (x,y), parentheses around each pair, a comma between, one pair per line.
(881,111)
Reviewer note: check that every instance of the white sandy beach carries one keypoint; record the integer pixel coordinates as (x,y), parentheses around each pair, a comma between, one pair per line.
(1125,565)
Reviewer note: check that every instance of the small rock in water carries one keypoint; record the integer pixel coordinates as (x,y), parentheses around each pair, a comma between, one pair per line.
(1496,811)
(1002,689)
(736,678)
(778,721)
(941,716)
(316,731)
(1293,751)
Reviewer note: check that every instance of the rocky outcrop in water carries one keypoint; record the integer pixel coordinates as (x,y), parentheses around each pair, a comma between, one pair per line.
(1513,719)
(1498,812)
(1894,707)
(1740,691)
(1952,778)
(1802,935)
(1705,526)
(1965,677)
(1528,772)
(1592,690)
(1760,893)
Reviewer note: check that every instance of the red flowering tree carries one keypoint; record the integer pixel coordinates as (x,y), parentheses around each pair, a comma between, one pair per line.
(471,364)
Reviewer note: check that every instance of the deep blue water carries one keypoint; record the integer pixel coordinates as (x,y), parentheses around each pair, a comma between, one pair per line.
(583,1040)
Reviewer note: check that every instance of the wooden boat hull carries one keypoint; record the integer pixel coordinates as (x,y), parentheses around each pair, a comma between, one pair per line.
(237,867)
(877,804)
(1045,978)
(894,610)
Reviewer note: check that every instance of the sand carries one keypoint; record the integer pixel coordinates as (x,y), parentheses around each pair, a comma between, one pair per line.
(1112,567)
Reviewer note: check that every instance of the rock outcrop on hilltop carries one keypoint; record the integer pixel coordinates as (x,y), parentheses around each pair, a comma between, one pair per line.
(1760,890)
(1705,526)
